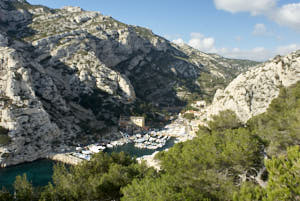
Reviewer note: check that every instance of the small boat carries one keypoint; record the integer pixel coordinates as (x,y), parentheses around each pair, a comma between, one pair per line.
(86,152)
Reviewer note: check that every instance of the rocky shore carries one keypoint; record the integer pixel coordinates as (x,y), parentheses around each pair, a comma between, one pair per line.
(150,161)
(64,158)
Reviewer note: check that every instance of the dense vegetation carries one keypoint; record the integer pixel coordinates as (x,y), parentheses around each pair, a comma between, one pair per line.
(280,125)
(4,138)
(227,161)
(101,178)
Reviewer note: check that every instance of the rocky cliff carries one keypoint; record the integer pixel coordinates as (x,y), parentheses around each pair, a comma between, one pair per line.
(251,92)
(67,74)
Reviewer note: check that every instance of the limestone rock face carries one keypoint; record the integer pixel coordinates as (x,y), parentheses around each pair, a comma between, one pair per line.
(66,75)
(251,92)
(11,16)
(3,40)
(21,112)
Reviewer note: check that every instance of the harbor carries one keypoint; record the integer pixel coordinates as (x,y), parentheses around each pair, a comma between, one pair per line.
(154,140)
(135,140)
(38,172)
(143,145)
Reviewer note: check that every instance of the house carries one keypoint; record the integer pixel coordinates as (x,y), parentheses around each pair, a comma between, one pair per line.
(139,121)
(200,104)
(132,122)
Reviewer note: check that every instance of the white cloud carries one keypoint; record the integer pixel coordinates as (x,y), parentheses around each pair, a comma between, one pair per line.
(283,50)
(196,35)
(171,37)
(200,42)
(236,49)
(207,44)
(287,15)
(260,30)
(178,41)
(258,49)
(253,6)
(257,53)
(222,50)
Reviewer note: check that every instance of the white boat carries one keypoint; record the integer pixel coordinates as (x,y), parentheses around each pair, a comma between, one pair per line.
(114,143)
(140,145)
(176,141)
(95,150)
(78,149)
(152,139)
(102,147)
(140,140)
(87,152)
(83,156)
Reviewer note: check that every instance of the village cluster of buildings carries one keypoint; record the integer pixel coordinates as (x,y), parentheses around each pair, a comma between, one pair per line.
(194,124)
(133,129)
(132,124)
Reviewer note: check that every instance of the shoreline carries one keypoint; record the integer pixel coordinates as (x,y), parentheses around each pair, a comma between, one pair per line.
(64,158)
(175,130)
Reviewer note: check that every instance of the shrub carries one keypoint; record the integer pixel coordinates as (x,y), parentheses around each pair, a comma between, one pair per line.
(189,116)
(4,138)
(225,120)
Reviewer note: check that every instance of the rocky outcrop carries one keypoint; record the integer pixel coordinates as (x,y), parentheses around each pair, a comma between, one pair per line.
(22,112)
(68,74)
(150,161)
(65,158)
(251,92)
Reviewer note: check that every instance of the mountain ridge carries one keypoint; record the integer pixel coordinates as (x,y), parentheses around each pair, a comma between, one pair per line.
(68,74)
(250,93)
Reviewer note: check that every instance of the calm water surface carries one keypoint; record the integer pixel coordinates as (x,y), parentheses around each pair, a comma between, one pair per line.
(133,151)
(40,172)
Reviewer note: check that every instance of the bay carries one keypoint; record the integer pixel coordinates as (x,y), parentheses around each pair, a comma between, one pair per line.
(130,149)
(40,172)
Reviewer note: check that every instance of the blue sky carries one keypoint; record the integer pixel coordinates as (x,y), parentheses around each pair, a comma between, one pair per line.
(252,29)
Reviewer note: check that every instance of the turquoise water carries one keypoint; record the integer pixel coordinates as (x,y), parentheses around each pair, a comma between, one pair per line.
(38,172)
(133,151)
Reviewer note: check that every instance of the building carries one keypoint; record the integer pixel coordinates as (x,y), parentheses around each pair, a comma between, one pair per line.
(201,104)
(131,123)
(139,121)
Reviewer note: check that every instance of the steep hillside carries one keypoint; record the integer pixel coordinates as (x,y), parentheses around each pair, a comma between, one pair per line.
(279,126)
(227,161)
(68,74)
(218,71)
(251,92)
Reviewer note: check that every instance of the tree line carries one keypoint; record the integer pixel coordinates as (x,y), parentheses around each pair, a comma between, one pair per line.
(228,160)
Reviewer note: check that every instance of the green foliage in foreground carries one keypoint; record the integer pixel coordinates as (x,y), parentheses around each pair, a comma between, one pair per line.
(212,166)
(225,120)
(205,168)
(280,125)
(99,179)
(24,189)
(189,116)
(220,164)
(283,183)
